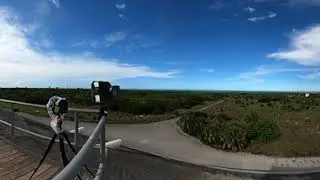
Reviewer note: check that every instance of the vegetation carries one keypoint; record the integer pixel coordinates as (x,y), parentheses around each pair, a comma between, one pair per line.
(134,106)
(222,132)
(278,124)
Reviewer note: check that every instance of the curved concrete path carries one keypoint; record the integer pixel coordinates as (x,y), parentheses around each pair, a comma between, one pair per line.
(166,140)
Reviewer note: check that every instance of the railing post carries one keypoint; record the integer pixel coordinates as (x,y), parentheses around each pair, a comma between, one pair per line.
(12,124)
(103,147)
(76,130)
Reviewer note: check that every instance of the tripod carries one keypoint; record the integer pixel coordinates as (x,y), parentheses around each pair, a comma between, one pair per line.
(62,136)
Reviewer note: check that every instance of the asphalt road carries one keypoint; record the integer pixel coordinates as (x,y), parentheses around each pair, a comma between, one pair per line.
(122,163)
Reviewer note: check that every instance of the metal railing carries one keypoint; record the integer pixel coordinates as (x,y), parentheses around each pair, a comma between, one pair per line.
(71,170)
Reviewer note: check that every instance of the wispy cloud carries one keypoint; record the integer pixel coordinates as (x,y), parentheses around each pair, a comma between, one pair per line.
(44,42)
(56,3)
(305,47)
(262,71)
(311,76)
(19,62)
(260,18)
(122,16)
(113,38)
(249,9)
(121,6)
(207,70)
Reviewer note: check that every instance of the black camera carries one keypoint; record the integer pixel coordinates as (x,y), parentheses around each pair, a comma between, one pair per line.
(61,106)
(103,92)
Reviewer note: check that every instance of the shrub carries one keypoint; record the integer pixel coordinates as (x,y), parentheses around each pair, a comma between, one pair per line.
(223,117)
(232,136)
(223,132)
(193,123)
(262,131)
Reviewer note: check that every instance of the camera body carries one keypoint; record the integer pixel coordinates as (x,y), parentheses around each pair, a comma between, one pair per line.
(103,92)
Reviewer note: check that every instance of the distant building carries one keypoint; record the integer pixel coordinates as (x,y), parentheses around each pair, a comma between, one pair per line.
(307,95)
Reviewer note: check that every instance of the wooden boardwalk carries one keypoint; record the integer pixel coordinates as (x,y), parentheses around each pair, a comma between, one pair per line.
(16,165)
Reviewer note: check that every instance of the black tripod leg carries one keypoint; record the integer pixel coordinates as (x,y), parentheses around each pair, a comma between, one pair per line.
(63,153)
(75,152)
(45,154)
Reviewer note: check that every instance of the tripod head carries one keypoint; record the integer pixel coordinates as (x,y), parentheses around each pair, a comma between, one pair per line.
(57,108)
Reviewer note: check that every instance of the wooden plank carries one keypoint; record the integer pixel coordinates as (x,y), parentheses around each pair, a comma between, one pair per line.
(15,167)
(5,148)
(12,157)
(48,174)
(8,153)
(6,166)
(42,169)
(29,166)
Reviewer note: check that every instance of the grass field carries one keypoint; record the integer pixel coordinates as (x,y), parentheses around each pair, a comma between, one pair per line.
(298,118)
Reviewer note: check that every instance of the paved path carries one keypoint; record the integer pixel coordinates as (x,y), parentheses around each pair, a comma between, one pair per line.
(166,140)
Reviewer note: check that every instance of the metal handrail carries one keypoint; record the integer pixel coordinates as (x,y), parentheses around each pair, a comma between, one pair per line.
(74,110)
(76,163)
(71,170)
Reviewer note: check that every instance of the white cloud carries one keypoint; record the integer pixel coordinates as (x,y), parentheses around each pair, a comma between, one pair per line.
(45,42)
(249,9)
(272,15)
(311,76)
(261,71)
(260,18)
(21,64)
(305,48)
(55,3)
(121,6)
(207,70)
(114,37)
(254,19)
(122,16)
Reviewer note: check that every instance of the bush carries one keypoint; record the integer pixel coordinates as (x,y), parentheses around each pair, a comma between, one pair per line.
(223,117)
(262,131)
(222,132)
(232,136)
(193,123)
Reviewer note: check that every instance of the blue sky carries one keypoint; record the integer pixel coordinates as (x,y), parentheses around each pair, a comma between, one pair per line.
(167,44)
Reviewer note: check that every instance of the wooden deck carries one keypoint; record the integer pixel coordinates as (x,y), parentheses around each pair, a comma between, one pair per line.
(16,165)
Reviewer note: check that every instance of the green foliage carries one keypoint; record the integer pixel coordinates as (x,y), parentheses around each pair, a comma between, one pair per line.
(193,123)
(131,101)
(223,117)
(232,136)
(223,132)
